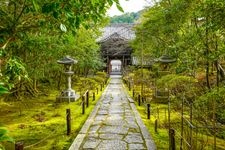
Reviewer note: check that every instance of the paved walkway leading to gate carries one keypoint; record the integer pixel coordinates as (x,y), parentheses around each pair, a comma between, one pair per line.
(114,124)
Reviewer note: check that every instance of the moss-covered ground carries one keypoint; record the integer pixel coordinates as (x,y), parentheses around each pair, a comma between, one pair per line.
(41,122)
(161,137)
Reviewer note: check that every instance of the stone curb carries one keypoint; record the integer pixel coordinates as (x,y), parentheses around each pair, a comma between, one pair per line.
(84,130)
(130,100)
(147,137)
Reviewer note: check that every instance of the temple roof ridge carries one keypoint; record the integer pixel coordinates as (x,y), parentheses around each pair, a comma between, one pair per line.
(122,30)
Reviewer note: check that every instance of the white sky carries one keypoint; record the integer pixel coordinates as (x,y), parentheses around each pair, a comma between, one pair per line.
(128,6)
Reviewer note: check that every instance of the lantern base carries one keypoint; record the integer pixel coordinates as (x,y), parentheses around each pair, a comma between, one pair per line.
(67,96)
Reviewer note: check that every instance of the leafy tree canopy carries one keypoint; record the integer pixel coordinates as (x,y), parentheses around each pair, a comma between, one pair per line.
(126,18)
(36,33)
(18,16)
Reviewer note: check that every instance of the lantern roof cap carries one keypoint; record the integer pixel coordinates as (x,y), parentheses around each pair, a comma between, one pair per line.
(67,61)
(166,59)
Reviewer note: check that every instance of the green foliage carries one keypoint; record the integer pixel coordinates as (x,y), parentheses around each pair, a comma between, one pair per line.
(186,30)
(141,76)
(15,70)
(193,33)
(86,50)
(179,85)
(90,83)
(205,103)
(46,49)
(175,81)
(4,137)
(87,84)
(100,77)
(126,18)
(101,74)
(18,16)
(3,90)
(34,34)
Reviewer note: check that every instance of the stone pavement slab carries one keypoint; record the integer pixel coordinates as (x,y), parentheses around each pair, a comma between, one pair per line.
(114,124)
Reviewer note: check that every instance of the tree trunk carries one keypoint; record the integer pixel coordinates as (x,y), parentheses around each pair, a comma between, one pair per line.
(207,54)
(35,84)
(207,75)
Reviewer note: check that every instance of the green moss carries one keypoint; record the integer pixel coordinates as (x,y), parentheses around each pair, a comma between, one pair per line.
(41,123)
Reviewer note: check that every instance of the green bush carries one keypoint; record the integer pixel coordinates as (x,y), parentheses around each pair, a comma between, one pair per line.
(101,74)
(84,84)
(205,104)
(3,90)
(4,137)
(138,78)
(99,79)
(179,85)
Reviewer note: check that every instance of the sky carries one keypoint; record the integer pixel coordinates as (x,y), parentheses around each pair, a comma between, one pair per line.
(128,6)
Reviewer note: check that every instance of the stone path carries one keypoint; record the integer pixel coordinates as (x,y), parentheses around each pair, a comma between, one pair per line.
(114,124)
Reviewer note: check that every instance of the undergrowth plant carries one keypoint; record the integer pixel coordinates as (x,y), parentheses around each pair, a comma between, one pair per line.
(4,137)
(3,131)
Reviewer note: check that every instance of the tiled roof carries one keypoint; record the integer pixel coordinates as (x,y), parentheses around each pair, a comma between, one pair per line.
(124,31)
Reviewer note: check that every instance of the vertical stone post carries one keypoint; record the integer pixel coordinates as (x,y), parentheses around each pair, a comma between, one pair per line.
(68,121)
(172,139)
(142,99)
(87,99)
(83,104)
(129,85)
(156,125)
(93,96)
(139,100)
(148,111)
(19,145)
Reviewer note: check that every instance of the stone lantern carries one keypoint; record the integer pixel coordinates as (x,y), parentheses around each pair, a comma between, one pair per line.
(68,94)
(162,94)
(165,60)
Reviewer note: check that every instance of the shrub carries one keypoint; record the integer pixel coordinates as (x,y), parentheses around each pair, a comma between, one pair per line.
(4,137)
(101,74)
(205,104)
(3,90)
(179,84)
